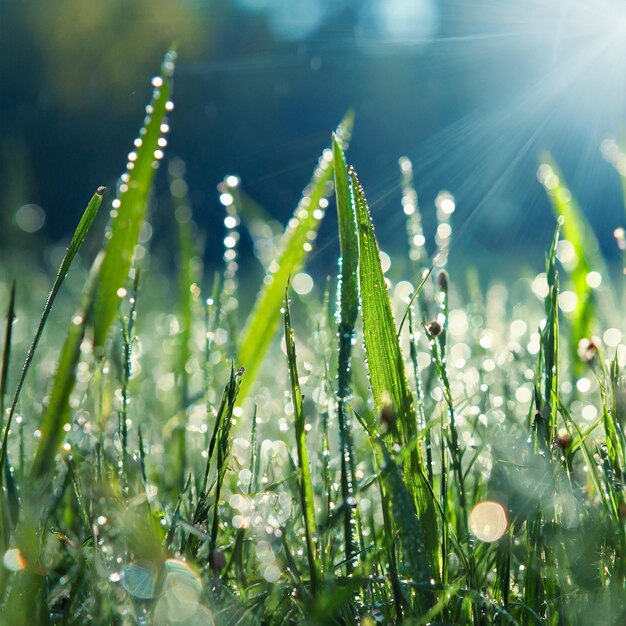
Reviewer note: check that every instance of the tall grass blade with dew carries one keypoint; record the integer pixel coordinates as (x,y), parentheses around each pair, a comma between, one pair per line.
(348,310)
(264,319)
(130,206)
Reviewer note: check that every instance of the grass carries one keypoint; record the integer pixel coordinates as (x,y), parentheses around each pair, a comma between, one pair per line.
(167,464)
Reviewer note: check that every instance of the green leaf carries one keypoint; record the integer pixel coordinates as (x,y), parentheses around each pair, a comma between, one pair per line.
(264,319)
(131,206)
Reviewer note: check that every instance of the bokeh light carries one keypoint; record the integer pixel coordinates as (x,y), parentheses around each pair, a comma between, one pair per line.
(488,521)
(13,560)
(30,218)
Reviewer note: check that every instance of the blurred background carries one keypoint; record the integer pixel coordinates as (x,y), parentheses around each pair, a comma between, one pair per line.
(471,90)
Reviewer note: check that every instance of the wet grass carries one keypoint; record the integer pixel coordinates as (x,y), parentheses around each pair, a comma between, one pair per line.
(394,455)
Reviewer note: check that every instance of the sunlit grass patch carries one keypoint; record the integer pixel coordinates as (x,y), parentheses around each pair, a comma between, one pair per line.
(397,453)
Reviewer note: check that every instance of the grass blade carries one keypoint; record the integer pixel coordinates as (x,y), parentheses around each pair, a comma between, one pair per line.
(56,412)
(385,362)
(186,275)
(77,241)
(348,309)
(229,197)
(586,255)
(416,293)
(130,206)
(128,323)
(6,523)
(304,479)
(348,240)
(27,537)
(223,447)
(264,319)
(410,531)
(545,421)
(6,351)
(188,292)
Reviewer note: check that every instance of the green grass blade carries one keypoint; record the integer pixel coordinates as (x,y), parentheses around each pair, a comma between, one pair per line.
(546,421)
(230,200)
(6,523)
(348,240)
(130,206)
(224,423)
(410,531)
(77,241)
(388,536)
(128,323)
(6,351)
(56,412)
(385,361)
(586,253)
(418,253)
(416,293)
(187,288)
(423,421)
(304,479)
(186,275)
(348,309)
(263,322)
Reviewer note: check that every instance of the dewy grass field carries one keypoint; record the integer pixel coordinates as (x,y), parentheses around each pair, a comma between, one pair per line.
(404,458)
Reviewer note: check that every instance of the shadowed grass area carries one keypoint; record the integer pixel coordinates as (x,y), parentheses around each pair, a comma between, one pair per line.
(162,465)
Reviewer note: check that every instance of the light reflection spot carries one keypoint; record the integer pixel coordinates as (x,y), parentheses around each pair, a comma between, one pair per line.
(488,521)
